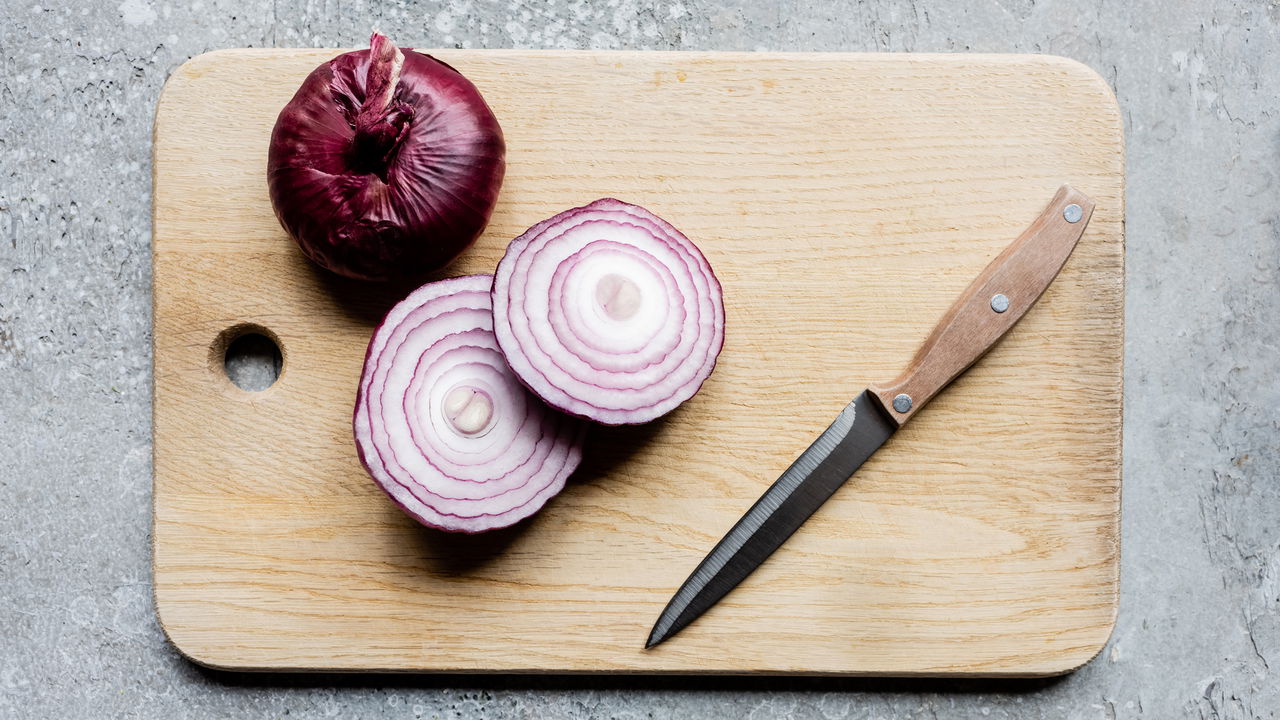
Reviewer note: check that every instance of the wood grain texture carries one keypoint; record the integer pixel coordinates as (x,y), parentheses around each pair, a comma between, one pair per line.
(972,326)
(845,201)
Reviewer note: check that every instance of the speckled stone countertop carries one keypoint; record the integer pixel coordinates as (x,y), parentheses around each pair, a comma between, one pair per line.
(1199,620)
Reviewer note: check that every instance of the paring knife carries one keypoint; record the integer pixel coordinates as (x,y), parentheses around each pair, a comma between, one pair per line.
(992,303)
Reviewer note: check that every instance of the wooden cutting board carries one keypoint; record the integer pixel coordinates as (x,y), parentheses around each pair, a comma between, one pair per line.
(844,200)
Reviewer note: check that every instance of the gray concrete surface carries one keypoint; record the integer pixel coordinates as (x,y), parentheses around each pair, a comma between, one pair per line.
(1199,623)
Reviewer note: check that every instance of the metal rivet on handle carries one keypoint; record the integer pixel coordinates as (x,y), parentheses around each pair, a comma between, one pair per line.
(1072,213)
(999,302)
(902,403)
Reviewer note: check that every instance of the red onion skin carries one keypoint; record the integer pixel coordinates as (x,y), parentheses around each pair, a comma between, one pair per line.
(382,172)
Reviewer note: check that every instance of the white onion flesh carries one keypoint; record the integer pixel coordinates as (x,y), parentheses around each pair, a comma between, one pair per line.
(609,313)
(443,425)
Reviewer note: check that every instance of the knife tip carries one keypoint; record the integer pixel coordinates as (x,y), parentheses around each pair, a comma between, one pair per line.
(656,636)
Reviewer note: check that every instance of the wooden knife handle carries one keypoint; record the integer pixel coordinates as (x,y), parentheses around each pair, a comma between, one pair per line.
(1013,281)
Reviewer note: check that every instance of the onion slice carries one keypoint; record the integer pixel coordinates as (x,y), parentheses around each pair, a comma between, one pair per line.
(444,427)
(609,313)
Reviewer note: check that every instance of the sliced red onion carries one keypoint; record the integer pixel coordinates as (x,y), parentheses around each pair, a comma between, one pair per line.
(445,428)
(608,312)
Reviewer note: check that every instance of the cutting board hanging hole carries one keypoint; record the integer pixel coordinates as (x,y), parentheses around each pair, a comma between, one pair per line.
(249,355)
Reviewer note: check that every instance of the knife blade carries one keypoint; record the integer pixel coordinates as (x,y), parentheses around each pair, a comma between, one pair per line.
(991,305)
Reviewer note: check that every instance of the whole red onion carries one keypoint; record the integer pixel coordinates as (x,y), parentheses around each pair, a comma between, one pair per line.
(386,164)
